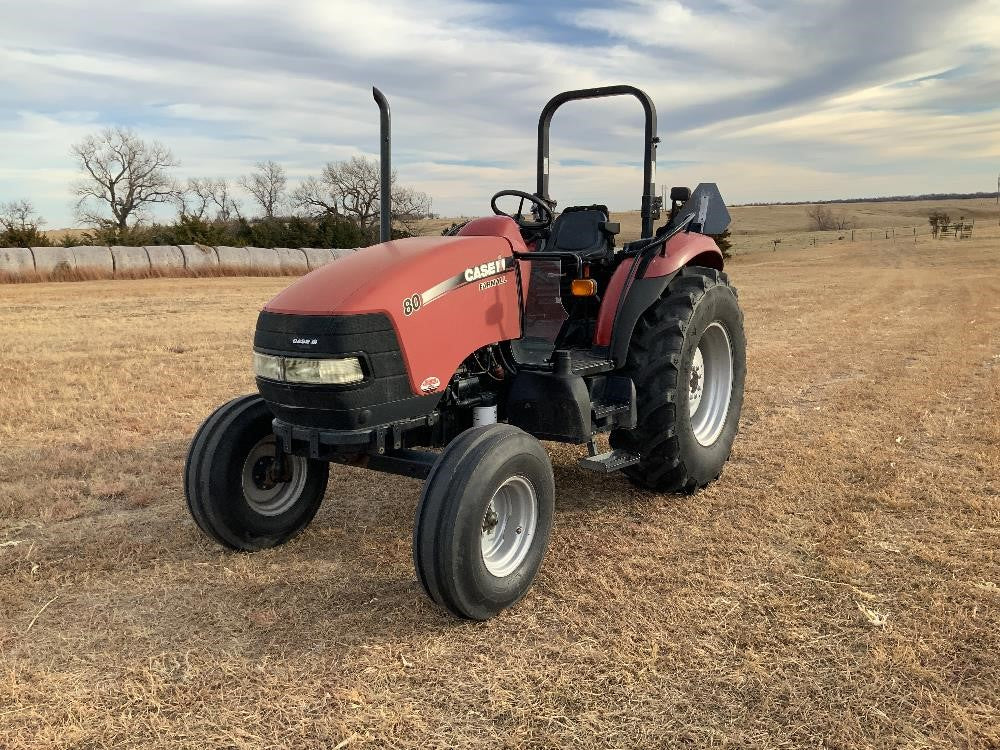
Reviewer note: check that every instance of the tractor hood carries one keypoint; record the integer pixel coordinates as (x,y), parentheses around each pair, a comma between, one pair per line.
(382,277)
(444,297)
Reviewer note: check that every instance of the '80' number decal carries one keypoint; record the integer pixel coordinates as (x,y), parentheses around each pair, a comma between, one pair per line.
(411,304)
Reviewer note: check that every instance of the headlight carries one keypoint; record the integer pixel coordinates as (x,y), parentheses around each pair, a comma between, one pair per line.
(315,371)
(266,366)
(335,371)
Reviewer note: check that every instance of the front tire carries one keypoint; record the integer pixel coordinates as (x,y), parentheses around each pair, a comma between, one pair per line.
(235,493)
(687,358)
(483,521)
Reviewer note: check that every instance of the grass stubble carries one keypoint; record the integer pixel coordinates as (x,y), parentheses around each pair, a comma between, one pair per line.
(837,587)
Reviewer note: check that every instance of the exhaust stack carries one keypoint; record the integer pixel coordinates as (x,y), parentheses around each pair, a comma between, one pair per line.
(385,167)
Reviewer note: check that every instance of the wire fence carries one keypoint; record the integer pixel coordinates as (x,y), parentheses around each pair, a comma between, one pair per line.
(751,241)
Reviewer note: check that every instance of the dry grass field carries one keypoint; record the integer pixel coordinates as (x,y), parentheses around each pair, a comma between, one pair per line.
(754,227)
(838,587)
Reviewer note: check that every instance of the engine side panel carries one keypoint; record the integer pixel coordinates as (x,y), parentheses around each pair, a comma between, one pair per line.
(445,297)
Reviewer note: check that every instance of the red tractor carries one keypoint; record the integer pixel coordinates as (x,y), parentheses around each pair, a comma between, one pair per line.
(449,358)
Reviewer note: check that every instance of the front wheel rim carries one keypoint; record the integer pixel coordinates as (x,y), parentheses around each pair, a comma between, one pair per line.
(509,525)
(262,491)
(710,384)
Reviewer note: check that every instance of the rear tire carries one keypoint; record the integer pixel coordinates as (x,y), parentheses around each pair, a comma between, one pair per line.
(483,521)
(232,492)
(687,358)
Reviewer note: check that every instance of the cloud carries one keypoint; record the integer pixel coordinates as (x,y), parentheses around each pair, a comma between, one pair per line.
(773,100)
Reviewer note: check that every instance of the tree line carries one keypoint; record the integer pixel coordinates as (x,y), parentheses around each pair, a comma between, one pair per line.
(992,194)
(125,178)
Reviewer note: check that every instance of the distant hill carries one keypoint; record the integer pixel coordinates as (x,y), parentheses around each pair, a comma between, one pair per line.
(884,199)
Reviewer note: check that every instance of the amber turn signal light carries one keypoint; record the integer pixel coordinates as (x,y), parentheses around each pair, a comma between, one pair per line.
(584,287)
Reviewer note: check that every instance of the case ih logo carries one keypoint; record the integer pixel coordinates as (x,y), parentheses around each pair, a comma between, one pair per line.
(305,342)
(430,384)
(486,269)
(470,275)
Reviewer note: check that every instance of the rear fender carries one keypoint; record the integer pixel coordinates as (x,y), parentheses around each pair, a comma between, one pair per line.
(686,249)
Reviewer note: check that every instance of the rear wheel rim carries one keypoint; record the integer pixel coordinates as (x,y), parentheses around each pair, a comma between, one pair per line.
(710,384)
(509,525)
(262,491)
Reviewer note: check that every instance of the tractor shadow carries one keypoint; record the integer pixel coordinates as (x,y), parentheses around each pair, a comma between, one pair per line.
(348,580)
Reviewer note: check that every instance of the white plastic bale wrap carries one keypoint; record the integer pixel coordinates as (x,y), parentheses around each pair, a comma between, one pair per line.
(130,259)
(292,260)
(16,261)
(197,257)
(233,257)
(121,260)
(96,259)
(264,259)
(165,258)
(319,256)
(50,260)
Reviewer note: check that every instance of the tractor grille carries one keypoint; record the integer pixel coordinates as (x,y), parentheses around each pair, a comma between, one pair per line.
(384,396)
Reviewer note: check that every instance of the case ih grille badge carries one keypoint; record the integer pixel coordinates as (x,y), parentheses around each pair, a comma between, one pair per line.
(487,275)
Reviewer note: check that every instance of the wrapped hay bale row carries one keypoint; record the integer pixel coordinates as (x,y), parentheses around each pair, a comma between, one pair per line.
(124,261)
(16,261)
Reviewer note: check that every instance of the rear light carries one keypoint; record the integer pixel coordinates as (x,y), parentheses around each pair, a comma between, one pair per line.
(345,371)
(583,287)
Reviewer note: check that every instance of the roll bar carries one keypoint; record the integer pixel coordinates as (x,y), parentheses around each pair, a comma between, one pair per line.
(650,203)
(385,167)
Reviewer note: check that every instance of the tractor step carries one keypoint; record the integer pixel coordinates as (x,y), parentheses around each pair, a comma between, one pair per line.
(569,362)
(585,363)
(613,460)
(605,409)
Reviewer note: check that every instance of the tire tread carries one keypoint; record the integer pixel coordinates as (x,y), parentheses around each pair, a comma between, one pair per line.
(654,364)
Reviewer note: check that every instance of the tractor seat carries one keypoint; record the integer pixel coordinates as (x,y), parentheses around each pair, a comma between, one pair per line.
(585,231)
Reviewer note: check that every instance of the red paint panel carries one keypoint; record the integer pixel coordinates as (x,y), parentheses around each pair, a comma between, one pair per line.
(495,226)
(437,337)
(609,305)
(679,251)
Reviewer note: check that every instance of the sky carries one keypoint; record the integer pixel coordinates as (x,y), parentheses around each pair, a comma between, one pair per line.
(775,101)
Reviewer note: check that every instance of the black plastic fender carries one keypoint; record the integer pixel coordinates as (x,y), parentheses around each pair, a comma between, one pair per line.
(640,295)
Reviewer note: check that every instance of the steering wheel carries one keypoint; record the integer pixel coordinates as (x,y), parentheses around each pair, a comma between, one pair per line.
(540,207)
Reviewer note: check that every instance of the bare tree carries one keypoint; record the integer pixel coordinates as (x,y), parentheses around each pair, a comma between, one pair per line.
(19,216)
(204,194)
(314,198)
(842,221)
(409,205)
(20,225)
(937,219)
(351,189)
(267,186)
(124,174)
(195,199)
(226,206)
(823,219)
